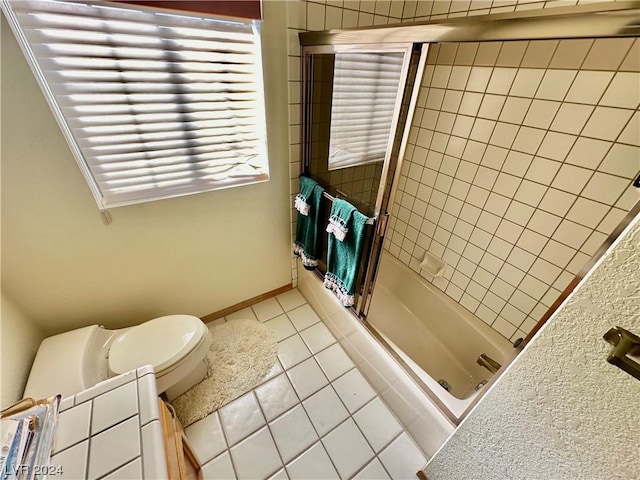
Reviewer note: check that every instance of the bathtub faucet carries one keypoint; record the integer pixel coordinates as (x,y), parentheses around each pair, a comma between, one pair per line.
(487,362)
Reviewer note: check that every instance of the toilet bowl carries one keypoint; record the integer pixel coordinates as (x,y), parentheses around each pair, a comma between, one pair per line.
(175,345)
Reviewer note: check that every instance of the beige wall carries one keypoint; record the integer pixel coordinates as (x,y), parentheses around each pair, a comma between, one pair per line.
(20,338)
(195,254)
(561,411)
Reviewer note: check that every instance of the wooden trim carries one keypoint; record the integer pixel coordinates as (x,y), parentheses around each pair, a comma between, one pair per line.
(247,303)
(421,475)
(168,437)
(182,461)
(249,9)
(192,465)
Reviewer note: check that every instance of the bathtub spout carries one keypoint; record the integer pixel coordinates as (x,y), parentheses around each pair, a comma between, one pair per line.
(487,362)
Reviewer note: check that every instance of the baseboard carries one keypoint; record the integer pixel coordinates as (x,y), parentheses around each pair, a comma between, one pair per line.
(247,303)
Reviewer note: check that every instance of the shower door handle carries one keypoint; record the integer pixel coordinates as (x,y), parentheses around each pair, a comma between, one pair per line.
(625,344)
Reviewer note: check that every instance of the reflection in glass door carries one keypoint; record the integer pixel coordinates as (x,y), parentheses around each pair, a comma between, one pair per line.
(355,104)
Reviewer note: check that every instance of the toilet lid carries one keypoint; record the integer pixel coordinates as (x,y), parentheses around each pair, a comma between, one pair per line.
(160,342)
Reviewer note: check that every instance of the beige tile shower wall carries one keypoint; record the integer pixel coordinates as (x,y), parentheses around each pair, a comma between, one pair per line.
(423,10)
(520,163)
(560,411)
(306,15)
(359,183)
(323,15)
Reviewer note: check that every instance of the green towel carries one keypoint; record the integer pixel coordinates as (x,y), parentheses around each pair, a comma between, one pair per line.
(310,205)
(307,185)
(343,257)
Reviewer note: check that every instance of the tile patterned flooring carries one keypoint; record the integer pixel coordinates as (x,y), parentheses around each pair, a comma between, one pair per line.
(314,416)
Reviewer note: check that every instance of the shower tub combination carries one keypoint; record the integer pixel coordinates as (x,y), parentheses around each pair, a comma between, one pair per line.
(449,353)
(438,339)
(414,339)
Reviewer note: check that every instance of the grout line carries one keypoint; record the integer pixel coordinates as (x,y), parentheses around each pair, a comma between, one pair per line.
(268,426)
(121,466)
(484,153)
(319,438)
(226,441)
(377,457)
(89,438)
(577,250)
(141,456)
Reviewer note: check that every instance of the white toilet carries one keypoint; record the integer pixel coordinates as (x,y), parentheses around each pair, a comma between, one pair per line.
(176,346)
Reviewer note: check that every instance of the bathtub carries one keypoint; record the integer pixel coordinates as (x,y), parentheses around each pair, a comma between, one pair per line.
(436,337)
(417,413)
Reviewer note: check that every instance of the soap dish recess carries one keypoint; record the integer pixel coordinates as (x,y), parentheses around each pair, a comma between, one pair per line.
(433,265)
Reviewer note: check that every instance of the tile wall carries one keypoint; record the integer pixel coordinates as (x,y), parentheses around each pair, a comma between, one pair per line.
(357,184)
(323,15)
(517,106)
(111,431)
(520,164)
(422,10)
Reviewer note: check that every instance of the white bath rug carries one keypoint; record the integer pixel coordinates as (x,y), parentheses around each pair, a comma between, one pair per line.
(242,353)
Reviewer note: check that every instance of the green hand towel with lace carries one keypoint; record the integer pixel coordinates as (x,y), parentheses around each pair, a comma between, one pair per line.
(309,236)
(347,227)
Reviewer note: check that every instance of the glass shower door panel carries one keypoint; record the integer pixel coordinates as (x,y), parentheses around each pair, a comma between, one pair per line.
(352,102)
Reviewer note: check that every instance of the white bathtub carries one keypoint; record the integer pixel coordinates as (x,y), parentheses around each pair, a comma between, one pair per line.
(434,335)
(417,413)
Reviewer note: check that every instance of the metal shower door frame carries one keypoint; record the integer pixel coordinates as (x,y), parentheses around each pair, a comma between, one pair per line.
(597,20)
(380,217)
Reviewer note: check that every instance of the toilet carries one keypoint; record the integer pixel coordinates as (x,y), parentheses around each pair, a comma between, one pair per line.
(175,345)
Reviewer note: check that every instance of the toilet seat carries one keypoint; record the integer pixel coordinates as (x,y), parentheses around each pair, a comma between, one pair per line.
(162,342)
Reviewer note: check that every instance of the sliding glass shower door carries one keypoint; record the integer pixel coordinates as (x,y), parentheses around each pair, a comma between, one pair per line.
(355,102)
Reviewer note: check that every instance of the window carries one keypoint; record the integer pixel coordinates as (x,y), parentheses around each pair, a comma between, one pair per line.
(366,86)
(153,105)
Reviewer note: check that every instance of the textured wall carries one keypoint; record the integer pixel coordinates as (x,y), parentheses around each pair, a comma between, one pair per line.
(561,411)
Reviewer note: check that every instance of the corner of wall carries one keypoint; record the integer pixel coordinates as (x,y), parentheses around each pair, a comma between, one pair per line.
(20,338)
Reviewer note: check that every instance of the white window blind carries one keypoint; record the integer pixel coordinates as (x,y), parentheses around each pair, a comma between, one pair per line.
(153,105)
(365,92)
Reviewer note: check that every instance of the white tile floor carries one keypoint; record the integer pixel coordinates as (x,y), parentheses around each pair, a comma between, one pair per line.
(314,417)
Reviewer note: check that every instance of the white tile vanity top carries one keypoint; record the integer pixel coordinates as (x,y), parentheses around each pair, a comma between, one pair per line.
(112,431)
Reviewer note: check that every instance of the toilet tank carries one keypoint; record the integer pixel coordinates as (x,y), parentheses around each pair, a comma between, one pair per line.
(69,362)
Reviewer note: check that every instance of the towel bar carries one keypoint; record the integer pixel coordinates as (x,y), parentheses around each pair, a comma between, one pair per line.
(331,198)
(625,344)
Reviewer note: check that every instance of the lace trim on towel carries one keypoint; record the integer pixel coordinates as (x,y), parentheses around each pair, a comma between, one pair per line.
(301,205)
(298,249)
(335,284)
(338,227)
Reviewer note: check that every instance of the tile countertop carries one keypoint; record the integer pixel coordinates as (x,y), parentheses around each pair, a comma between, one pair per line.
(111,431)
